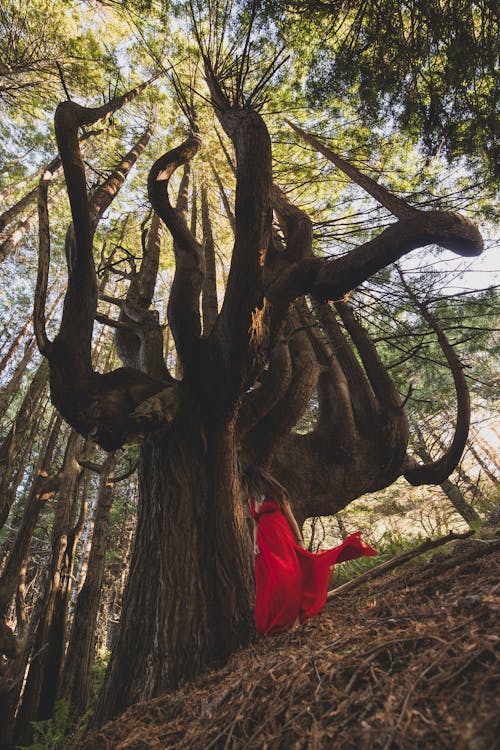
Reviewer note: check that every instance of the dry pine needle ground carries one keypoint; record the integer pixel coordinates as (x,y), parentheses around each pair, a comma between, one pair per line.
(408,661)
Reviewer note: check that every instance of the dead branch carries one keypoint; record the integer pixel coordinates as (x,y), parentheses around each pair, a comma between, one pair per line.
(396,561)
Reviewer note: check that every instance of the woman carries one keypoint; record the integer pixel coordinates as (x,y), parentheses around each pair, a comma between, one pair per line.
(291,583)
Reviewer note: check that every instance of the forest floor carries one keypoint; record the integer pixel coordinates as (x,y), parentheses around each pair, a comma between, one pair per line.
(409,660)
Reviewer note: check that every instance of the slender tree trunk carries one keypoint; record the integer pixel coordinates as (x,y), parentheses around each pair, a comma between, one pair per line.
(112,612)
(482,463)
(190,573)
(80,656)
(459,502)
(224,199)
(451,490)
(12,675)
(15,343)
(51,170)
(22,333)
(7,216)
(488,450)
(9,448)
(41,489)
(19,230)
(12,386)
(472,486)
(42,681)
(16,473)
(485,464)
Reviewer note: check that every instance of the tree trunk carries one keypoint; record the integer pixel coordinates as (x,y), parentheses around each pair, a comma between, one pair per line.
(20,229)
(451,490)
(51,172)
(209,292)
(460,504)
(41,490)
(76,679)
(484,463)
(190,575)
(15,343)
(10,447)
(12,673)
(473,487)
(14,383)
(117,578)
(42,681)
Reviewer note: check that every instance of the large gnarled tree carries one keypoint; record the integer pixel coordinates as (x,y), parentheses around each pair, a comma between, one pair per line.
(248,374)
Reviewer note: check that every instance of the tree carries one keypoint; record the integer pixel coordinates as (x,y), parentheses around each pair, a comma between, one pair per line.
(428,65)
(251,363)
(247,377)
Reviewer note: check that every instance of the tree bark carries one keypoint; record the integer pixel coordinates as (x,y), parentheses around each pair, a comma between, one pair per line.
(17,432)
(42,680)
(43,488)
(75,685)
(209,291)
(190,569)
(12,240)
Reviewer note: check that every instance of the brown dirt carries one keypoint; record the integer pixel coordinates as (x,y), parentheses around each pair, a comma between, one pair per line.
(408,661)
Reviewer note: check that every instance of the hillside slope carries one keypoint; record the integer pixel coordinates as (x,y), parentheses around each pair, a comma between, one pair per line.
(408,661)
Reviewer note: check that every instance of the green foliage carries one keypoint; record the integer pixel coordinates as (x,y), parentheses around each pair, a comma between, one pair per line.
(97,673)
(64,731)
(426,67)
(389,546)
(50,734)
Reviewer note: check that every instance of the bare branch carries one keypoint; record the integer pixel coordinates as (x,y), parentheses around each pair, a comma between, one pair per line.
(395,205)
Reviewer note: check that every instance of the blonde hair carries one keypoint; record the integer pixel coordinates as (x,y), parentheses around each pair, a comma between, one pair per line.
(256,482)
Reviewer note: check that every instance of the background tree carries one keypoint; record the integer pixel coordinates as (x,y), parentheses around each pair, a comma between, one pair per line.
(429,66)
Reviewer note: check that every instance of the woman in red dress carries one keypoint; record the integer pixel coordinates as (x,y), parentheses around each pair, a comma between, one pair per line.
(291,584)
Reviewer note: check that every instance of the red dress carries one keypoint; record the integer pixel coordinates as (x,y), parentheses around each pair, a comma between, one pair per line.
(291,582)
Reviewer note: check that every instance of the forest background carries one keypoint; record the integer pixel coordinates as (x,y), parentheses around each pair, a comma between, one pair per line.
(406,93)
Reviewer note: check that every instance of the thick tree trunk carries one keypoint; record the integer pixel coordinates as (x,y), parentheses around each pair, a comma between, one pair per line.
(188,597)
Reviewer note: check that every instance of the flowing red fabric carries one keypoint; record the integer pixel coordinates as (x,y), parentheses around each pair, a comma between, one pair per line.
(291,582)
